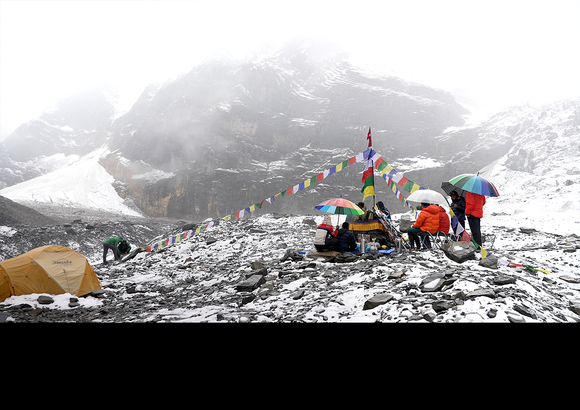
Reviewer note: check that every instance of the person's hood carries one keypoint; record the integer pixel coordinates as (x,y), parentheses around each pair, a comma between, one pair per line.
(432,209)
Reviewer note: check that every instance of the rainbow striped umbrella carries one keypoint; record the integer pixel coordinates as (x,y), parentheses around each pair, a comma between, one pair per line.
(339,206)
(475,184)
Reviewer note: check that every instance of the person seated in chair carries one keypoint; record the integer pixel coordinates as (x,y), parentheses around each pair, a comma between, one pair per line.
(325,237)
(345,239)
(444,223)
(427,221)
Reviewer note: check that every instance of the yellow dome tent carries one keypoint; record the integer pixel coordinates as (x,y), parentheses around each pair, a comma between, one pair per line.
(49,269)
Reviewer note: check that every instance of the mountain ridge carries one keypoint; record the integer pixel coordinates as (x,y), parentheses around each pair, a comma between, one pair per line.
(204,144)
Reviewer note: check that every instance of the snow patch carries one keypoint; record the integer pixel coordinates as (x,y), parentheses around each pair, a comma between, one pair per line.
(83,183)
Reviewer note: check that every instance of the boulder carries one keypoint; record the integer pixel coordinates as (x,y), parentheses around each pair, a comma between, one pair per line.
(459,251)
(298,294)
(525,311)
(575,306)
(260,272)
(490,261)
(569,279)
(377,300)
(515,318)
(503,280)
(435,282)
(251,283)
(45,300)
(481,292)
(442,305)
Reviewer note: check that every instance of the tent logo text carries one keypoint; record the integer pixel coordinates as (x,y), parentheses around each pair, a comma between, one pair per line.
(62,262)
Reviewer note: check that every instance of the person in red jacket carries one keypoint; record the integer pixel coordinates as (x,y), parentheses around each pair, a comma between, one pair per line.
(444,223)
(474,212)
(428,220)
(325,237)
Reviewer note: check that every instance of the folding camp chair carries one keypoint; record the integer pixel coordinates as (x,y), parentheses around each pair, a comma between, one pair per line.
(488,241)
(437,240)
(426,234)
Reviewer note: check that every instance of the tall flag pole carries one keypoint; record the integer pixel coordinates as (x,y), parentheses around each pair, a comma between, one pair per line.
(368,178)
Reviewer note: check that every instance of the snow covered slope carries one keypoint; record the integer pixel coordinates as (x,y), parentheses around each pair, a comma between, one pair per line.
(539,177)
(83,183)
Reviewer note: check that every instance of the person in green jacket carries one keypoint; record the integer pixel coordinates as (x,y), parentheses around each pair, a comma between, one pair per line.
(119,246)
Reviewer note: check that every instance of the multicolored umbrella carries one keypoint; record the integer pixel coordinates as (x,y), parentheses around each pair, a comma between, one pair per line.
(475,184)
(339,206)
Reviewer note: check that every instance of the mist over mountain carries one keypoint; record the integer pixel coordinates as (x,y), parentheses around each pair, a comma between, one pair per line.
(228,134)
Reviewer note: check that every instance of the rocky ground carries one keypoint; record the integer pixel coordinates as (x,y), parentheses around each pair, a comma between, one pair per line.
(252,270)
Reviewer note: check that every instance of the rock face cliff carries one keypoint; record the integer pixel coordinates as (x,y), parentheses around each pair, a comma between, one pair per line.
(226,135)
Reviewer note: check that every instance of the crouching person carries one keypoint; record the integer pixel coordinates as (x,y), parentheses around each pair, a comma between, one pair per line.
(119,246)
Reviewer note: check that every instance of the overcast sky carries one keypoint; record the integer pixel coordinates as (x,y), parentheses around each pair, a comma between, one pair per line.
(500,52)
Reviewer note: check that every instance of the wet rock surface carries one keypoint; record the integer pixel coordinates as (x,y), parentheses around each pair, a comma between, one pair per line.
(259,270)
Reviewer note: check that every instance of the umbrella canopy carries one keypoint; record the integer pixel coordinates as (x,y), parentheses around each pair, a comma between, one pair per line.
(448,188)
(339,206)
(475,184)
(428,196)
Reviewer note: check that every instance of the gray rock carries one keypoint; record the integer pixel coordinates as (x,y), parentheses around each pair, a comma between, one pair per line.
(257,265)
(575,306)
(98,293)
(396,275)
(503,280)
(429,316)
(525,311)
(377,300)
(481,292)
(45,300)
(247,298)
(436,282)
(442,305)
(260,272)
(346,257)
(459,251)
(298,294)
(570,279)
(251,283)
(527,230)
(489,262)
(516,318)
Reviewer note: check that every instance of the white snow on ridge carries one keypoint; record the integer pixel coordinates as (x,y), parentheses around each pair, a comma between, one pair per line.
(415,164)
(84,183)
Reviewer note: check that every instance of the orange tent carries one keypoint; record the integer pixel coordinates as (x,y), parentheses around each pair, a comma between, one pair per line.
(49,269)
